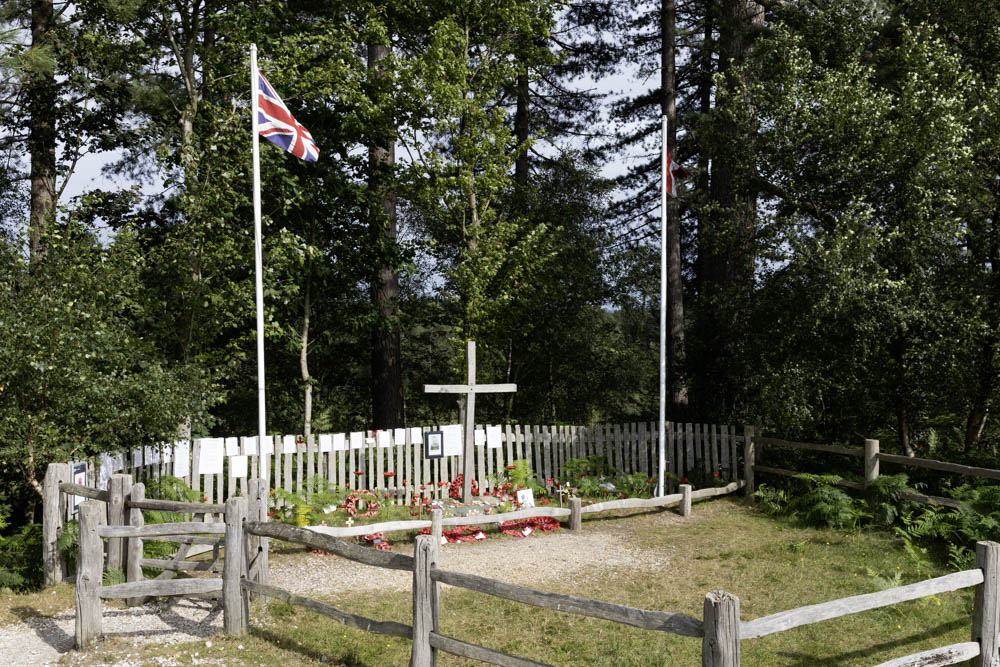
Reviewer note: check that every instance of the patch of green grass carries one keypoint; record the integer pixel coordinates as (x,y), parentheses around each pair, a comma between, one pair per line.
(772,565)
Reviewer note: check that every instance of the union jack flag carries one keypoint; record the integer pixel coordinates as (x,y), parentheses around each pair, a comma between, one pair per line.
(276,124)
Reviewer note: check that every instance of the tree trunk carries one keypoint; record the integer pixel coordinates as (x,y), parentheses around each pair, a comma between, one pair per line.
(387,374)
(521,129)
(898,347)
(726,245)
(675,290)
(41,102)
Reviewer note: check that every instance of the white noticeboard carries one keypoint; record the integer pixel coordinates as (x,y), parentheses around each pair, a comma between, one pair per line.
(166,453)
(416,435)
(494,436)
(339,442)
(79,477)
(136,458)
(526,497)
(249,445)
(182,458)
(152,454)
(357,440)
(325,443)
(452,439)
(480,437)
(384,438)
(232,446)
(268,446)
(399,436)
(238,466)
(288,445)
(210,462)
(105,471)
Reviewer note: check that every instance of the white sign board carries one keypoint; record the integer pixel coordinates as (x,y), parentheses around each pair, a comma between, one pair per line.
(339,442)
(452,439)
(238,466)
(249,446)
(526,497)
(416,435)
(399,436)
(494,437)
(210,461)
(480,437)
(288,445)
(384,438)
(325,443)
(232,446)
(357,440)
(79,477)
(182,458)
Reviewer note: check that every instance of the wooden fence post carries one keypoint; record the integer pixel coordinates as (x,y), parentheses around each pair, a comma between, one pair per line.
(134,560)
(749,455)
(575,513)
(263,543)
(118,492)
(436,527)
(871,461)
(986,608)
(721,644)
(53,518)
(90,564)
(425,602)
(685,500)
(235,605)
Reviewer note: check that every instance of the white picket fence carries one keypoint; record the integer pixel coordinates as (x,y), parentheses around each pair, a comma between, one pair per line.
(219,468)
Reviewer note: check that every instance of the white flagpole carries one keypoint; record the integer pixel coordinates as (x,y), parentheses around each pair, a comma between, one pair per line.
(258,261)
(663,311)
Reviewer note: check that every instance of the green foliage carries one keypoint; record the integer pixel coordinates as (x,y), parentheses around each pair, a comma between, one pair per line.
(113,576)
(771,500)
(21,558)
(320,496)
(886,504)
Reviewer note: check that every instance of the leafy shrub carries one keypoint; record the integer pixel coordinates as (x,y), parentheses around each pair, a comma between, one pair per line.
(21,559)
(886,501)
(771,500)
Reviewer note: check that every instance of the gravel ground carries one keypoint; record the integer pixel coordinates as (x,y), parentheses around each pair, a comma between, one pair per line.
(40,640)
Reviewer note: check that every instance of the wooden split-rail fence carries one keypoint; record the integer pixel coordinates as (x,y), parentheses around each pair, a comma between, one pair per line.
(872,457)
(244,532)
(702,451)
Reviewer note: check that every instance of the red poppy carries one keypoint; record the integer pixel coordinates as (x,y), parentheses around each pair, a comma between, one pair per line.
(204,499)
(389,474)
(683,479)
(511,467)
(359,472)
(649,481)
(715,474)
(404,481)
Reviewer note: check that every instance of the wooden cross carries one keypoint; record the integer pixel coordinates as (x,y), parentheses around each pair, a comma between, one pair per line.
(470,389)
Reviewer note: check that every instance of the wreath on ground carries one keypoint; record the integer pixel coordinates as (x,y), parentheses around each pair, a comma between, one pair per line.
(350,504)
(459,534)
(525,527)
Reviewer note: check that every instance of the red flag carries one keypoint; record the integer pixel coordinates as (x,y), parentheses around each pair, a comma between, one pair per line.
(674,171)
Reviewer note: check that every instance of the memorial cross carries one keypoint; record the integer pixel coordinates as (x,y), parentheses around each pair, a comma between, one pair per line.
(470,389)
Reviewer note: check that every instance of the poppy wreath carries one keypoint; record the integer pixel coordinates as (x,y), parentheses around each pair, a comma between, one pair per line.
(546,524)
(455,490)
(459,534)
(350,504)
(377,540)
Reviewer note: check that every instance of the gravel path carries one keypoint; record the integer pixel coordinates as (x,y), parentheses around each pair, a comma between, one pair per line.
(40,640)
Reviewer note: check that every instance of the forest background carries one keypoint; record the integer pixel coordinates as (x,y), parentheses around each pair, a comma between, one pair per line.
(833,254)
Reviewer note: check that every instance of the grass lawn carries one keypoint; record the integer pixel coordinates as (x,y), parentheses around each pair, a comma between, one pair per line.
(772,565)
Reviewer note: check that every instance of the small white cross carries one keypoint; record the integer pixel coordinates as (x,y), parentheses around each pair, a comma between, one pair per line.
(350,522)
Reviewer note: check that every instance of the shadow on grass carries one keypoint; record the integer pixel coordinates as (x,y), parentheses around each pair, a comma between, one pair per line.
(943,629)
(348,659)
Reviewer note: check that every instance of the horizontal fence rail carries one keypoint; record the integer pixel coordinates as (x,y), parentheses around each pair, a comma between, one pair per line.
(815,613)
(946,655)
(391,628)
(330,544)
(663,621)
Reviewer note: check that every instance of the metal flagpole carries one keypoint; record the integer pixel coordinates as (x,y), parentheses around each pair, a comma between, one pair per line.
(663,311)
(258,260)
